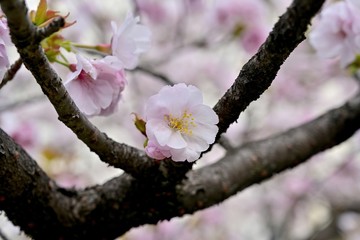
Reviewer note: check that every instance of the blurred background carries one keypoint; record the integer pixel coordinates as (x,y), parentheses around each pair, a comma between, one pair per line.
(204,43)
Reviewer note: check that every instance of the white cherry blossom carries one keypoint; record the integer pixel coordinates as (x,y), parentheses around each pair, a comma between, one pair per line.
(178,124)
(129,41)
(337,34)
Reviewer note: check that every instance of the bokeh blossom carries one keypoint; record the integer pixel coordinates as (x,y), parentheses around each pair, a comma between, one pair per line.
(178,124)
(4,40)
(242,19)
(129,40)
(96,85)
(4,32)
(337,34)
(356,3)
(4,61)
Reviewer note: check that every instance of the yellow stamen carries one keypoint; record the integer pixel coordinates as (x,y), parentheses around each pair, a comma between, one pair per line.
(184,124)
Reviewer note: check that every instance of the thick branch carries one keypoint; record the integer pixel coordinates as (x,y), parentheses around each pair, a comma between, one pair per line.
(25,38)
(259,160)
(104,212)
(26,193)
(259,72)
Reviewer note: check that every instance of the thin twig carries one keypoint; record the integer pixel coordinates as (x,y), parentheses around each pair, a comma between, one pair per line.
(160,76)
(22,31)
(21,103)
(53,27)
(11,72)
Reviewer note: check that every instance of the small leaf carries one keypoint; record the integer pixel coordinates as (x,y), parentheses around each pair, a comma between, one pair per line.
(140,124)
(41,11)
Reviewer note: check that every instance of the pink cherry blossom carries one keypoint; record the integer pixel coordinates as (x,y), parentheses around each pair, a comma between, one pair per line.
(232,12)
(96,85)
(4,32)
(22,131)
(129,41)
(153,10)
(4,40)
(337,34)
(178,124)
(4,61)
(252,38)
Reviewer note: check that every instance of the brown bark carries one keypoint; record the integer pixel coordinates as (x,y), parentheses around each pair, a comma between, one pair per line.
(150,191)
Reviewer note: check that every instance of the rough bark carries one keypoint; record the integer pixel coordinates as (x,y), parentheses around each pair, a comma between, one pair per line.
(150,191)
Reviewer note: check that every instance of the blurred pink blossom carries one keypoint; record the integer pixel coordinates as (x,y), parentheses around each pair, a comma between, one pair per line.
(4,40)
(154,10)
(23,132)
(356,3)
(337,34)
(244,20)
(129,41)
(96,85)
(179,124)
(231,12)
(4,61)
(4,32)
(252,38)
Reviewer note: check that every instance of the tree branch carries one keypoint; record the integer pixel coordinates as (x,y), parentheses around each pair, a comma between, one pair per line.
(10,73)
(26,37)
(46,211)
(43,210)
(150,72)
(257,161)
(55,25)
(259,72)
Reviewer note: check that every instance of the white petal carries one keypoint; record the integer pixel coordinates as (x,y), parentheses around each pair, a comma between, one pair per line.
(176,140)
(196,143)
(82,97)
(204,114)
(102,93)
(160,130)
(206,132)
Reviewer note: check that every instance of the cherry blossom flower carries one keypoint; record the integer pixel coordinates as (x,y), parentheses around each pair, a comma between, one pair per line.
(129,40)
(4,32)
(22,131)
(337,34)
(178,124)
(96,85)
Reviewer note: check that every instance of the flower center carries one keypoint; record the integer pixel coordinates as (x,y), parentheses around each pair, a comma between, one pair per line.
(184,124)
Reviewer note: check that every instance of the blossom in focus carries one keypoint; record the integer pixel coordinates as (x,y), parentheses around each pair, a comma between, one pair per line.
(178,124)
(96,85)
(129,41)
(337,34)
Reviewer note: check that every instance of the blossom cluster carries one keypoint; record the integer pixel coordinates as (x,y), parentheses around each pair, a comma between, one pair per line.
(96,85)
(178,125)
(337,33)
